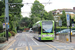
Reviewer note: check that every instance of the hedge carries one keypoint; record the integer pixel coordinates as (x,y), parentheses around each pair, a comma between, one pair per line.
(2,39)
(12,33)
(3,34)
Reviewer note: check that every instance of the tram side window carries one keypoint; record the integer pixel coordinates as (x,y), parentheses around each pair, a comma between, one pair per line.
(35,30)
(39,30)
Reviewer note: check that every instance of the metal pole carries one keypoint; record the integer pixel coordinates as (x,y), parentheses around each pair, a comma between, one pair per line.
(6,17)
(55,29)
(70,29)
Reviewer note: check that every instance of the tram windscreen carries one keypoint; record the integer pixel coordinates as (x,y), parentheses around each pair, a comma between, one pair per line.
(47,27)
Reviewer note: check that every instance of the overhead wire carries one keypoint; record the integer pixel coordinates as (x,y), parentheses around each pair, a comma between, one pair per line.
(29,4)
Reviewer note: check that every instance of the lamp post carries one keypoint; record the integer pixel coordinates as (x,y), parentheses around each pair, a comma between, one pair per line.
(6,17)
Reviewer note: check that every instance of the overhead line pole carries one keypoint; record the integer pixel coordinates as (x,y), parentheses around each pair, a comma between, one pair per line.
(6,17)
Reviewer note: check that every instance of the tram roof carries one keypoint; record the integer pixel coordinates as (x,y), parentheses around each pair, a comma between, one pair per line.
(41,21)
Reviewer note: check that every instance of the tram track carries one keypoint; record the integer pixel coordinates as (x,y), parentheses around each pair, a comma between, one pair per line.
(54,48)
(27,42)
(49,45)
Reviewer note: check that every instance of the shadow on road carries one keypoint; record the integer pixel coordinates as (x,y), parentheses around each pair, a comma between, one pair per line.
(43,40)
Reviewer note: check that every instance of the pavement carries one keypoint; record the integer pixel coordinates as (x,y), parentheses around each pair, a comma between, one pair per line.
(25,41)
(2,45)
(72,39)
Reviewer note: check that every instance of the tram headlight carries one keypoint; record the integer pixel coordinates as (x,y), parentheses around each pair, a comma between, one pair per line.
(51,35)
(43,35)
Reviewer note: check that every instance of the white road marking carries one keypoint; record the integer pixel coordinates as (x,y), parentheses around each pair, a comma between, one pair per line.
(21,44)
(32,39)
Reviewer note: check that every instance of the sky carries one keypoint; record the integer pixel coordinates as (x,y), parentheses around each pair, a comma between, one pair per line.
(55,4)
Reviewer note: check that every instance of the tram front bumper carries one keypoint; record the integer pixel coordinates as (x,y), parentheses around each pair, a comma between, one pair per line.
(47,38)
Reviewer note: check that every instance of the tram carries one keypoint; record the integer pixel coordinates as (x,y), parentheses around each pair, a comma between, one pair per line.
(44,30)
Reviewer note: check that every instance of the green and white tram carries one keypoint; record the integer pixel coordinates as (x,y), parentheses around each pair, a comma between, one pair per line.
(44,30)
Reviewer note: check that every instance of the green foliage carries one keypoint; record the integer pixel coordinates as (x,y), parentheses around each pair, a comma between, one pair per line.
(2,7)
(37,13)
(2,18)
(1,26)
(2,34)
(2,39)
(11,25)
(12,33)
(63,18)
(45,15)
(50,16)
(37,9)
(15,7)
(14,18)
(25,22)
(74,17)
(9,34)
(37,19)
(14,30)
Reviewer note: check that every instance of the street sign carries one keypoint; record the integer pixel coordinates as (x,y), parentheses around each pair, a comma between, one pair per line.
(60,22)
(4,26)
(68,20)
(8,26)
(72,25)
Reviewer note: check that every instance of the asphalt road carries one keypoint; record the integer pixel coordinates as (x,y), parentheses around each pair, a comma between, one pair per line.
(25,41)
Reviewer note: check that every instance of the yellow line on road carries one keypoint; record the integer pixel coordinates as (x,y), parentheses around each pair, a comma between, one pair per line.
(38,45)
(54,47)
(31,48)
(19,48)
(11,49)
(62,49)
(50,47)
(16,49)
(26,48)
(9,45)
(74,49)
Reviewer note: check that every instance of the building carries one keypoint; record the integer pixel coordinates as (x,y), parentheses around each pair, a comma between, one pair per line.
(59,11)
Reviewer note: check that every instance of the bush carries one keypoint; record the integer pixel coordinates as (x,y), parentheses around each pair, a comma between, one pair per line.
(1,26)
(12,33)
(15,30)
(2,34)
(2,39)
(9,34)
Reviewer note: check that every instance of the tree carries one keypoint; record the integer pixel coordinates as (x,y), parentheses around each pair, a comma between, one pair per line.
(63,18)
(37,12)
(37,9)
(50,16)
(74,17)
(25,21)
(1,26)
(45,15)
(2,8)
